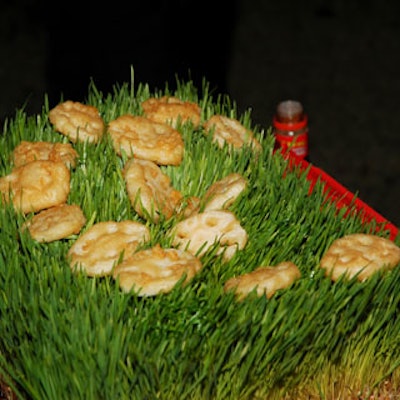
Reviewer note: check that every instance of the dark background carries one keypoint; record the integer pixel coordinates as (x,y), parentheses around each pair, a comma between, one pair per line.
(340,58)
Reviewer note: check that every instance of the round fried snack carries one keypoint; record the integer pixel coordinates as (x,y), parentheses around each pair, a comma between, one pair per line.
(171,110)
(79,122)
(149,190)
(156,270)
(264,280)
(231,131)
(145,139)
(56,223)
(27,152)
(36,186)
(200,232)
(221,194)
(359,254)
(103,245)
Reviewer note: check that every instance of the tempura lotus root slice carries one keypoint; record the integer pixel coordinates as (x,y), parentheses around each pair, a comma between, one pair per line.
(56,223)
(227,130)
(223,193)
(199,232)
(171,110)
(150,191)
(27,152)
(79,122)
(36,186)
(360,255)
(156,270)
(105,244)
(264,280)
(140,137)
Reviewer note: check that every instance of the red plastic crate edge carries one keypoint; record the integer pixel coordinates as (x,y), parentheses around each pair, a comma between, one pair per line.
(342,197)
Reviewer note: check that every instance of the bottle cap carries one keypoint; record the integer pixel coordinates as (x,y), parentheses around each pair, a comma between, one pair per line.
(289,110)
(289,116)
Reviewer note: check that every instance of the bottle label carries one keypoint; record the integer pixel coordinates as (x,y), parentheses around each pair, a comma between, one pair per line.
(298,144)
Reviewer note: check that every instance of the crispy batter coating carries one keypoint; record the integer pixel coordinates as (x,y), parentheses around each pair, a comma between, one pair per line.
(26,152)
(79,122)
(145,139)
(36,186)
(150,191)
(264,280)
(171,110)
(156,270)
(104,244)
(359,253)
(200,232)
(222,194)
(56,223)
(231,131)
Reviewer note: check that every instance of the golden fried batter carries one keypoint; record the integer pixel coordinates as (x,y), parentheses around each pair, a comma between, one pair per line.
(156,270)
(36,185)
(150,191)
(359,254)
(56,223)
(222,194)
(145,139)
(264,280)
(199,232)
(230,131)
(79,122)
(104,244)
(31,151)
(171,110)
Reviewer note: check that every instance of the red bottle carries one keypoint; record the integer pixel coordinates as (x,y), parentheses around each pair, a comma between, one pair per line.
(290,127)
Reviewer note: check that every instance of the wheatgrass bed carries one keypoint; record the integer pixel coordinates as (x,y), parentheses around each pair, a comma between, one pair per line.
(64,335)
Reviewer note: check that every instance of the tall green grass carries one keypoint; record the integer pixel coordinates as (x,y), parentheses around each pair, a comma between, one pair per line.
(67,336)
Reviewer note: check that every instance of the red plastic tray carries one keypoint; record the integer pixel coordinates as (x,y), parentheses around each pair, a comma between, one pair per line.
(342,197)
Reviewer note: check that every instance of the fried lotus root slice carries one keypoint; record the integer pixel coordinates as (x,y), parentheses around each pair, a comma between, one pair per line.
(264,280)
(156,270)
(359,254)
(149,190)
(200,232)
(145,139)
(171,110)
(27,152)
(36,186)
(104,244)
(79,122)
(231,131)
(56,223)
(221,194)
